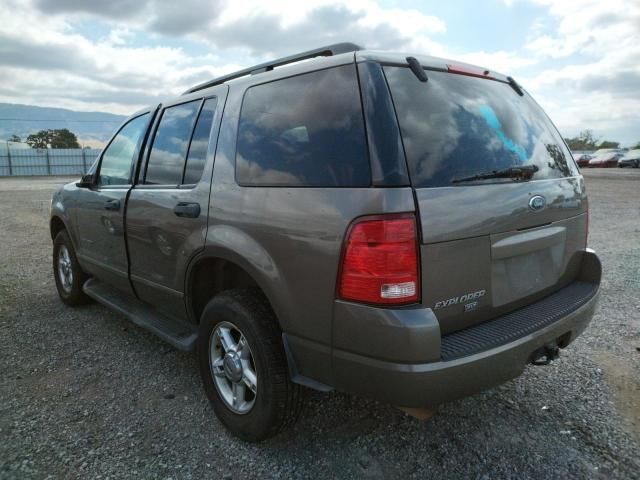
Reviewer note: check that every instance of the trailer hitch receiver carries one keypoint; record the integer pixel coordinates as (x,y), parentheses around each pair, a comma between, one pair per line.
(545,355)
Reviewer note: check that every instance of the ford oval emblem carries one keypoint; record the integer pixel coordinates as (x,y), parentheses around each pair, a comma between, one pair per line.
(537,202)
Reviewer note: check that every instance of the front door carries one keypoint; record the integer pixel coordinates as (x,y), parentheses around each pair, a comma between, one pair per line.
(100,209)
(167,209)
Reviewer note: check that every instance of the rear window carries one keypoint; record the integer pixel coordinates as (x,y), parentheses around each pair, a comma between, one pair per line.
(456,126)
(306,130)
(197,155)
(166,160)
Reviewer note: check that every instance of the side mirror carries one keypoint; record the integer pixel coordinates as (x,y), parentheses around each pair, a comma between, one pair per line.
(87,181)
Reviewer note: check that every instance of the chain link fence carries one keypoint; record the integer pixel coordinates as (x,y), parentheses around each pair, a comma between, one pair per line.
(45,161)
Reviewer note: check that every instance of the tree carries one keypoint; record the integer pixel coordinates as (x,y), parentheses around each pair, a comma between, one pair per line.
(585,141)
(61,138)
(636,146)
(15,138)
(609,144)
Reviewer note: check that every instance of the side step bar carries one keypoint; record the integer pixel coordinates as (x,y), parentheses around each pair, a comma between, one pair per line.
(181,335)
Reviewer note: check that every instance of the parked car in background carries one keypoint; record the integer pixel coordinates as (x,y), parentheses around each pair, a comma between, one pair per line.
(605,160)
(630,159)
(608,150)
(583,160)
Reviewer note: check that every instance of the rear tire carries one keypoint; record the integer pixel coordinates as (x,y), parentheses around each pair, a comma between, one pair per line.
(68,275)
(245,376)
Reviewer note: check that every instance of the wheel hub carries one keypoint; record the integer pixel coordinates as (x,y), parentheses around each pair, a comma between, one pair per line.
(65,269)
(232,367)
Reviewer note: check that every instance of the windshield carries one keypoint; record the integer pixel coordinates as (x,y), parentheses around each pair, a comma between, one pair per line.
(457,126)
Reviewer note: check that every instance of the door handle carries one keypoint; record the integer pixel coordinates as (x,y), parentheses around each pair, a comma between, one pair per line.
(112,204)
(187,210)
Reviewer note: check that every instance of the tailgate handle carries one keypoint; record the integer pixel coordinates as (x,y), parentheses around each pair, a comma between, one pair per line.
(188,210)
(525,242)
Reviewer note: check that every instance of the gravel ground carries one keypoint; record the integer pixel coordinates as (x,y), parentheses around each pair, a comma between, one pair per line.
(86,394)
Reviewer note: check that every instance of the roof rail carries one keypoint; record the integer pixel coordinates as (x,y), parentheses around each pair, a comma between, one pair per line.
(329,50)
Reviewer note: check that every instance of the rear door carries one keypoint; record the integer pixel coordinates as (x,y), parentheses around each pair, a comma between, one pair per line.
(100,211)
(168,207)
(488,245)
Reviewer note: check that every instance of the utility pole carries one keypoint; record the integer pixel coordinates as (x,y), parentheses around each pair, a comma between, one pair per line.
(9,159)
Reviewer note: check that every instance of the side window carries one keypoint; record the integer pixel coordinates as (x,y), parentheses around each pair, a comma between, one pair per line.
(306,130)
(117,159)
(197,155)
(166,159)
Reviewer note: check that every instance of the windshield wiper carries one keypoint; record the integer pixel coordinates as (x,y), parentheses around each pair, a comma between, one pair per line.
(522,173)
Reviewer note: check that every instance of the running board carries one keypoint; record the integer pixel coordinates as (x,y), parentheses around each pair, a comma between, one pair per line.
(181,335)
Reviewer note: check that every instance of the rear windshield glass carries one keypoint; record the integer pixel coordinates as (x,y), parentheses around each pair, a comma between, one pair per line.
(456,126)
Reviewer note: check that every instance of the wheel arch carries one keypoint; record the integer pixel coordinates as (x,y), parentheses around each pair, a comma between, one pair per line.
(217,269)
(56,225)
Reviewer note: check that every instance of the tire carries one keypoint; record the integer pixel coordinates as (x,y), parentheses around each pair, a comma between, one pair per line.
(69,287)
(277,401)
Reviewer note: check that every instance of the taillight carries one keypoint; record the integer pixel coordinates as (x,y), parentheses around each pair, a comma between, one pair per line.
(380,261)
(469,70)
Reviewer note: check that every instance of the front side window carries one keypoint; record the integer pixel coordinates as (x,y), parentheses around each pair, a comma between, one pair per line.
(306,130)
(117,159)
(455,127)
(167,156)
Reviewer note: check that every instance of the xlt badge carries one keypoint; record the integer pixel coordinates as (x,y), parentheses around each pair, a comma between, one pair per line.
(461,299)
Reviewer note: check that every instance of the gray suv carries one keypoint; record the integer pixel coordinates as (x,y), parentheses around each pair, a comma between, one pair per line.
(408,229)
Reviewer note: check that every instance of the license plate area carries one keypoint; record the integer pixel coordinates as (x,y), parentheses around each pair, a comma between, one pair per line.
(524,263)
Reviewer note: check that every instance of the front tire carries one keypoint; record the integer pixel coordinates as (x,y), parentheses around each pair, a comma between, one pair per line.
(68,275)
(243,366)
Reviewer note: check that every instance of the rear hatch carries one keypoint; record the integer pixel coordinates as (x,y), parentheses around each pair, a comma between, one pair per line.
(501,204)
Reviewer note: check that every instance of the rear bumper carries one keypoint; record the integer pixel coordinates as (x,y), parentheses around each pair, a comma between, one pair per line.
(463,363)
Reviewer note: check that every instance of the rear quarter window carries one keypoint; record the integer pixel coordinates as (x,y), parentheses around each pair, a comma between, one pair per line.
(306,130)
(455,126)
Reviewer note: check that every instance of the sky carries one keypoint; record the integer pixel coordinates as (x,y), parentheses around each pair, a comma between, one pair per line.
(580,59)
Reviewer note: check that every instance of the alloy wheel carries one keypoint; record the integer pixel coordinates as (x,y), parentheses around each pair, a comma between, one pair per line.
(233,368)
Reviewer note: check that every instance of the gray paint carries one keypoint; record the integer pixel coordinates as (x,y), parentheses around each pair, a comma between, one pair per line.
(428,384)
(289,240)
(162,244)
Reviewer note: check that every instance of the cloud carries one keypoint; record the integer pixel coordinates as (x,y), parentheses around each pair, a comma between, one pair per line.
(581,60)
(263,27)
(594,80)
(117,73)
(44,61)
(116,9)
(500,61)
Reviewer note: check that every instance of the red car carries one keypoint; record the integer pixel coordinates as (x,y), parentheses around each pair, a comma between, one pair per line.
(583,160)
(605,160)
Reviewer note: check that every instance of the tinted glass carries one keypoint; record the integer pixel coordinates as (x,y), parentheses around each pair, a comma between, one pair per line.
(117,160)
(304,131)
(200,143)
(166,159)
(455,126)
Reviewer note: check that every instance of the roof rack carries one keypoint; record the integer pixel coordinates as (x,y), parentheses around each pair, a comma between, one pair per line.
(329,50)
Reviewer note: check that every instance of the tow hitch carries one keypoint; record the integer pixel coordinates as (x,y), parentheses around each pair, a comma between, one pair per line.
(545,355)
